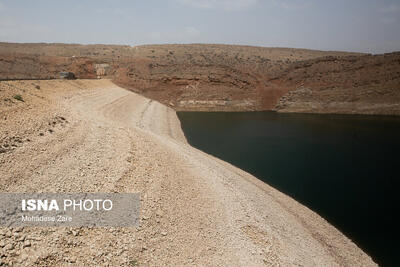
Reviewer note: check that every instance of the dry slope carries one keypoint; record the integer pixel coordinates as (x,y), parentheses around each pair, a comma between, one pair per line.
(92,136)
(224,77)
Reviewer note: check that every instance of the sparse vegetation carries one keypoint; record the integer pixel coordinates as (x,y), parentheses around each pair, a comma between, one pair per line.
(134,263)
(18,97)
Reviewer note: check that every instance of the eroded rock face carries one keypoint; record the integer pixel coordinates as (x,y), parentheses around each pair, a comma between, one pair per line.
(224,77)
(26,66)
(354,85)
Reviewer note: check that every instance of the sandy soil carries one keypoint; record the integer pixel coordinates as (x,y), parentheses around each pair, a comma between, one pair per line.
(92,136)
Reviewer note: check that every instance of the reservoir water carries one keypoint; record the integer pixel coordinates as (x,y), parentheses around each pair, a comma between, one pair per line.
(344,167)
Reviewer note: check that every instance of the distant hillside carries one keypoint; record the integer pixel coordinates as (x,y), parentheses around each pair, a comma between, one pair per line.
(224,77)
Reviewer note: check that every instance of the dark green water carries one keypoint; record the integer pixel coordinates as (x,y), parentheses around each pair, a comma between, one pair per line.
(346,168)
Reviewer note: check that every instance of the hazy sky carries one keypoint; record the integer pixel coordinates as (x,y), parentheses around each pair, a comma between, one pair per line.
(351,25)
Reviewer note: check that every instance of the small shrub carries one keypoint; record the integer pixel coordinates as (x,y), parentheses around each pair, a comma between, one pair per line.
(19,98)
(37,87)
(134,263)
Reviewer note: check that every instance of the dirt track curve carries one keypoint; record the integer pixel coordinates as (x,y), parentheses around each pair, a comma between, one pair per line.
(92,136)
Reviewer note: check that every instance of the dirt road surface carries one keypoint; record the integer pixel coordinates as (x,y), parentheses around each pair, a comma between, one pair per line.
(92,136)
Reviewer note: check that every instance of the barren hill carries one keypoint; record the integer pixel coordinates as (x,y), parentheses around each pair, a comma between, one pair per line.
(224,77)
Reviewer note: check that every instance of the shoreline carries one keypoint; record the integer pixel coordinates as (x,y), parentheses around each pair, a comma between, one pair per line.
(208,210)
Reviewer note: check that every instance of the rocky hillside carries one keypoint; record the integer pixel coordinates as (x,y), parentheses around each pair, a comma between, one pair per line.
(224,77)
(355,85)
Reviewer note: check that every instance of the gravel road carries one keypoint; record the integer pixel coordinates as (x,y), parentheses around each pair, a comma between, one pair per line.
(92,136)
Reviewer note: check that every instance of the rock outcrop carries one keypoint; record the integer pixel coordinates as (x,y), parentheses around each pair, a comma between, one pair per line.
(224,77)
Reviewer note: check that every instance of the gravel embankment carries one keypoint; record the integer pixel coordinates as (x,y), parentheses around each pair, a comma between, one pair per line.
(92,136)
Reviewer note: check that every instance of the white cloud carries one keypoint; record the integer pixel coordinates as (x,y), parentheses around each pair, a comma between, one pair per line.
(219,4)
(301,4)
(390,9)
(243,4)
(14,31)
(192,31)
(154,35)
(180,35)
(109,11)
(388,20)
